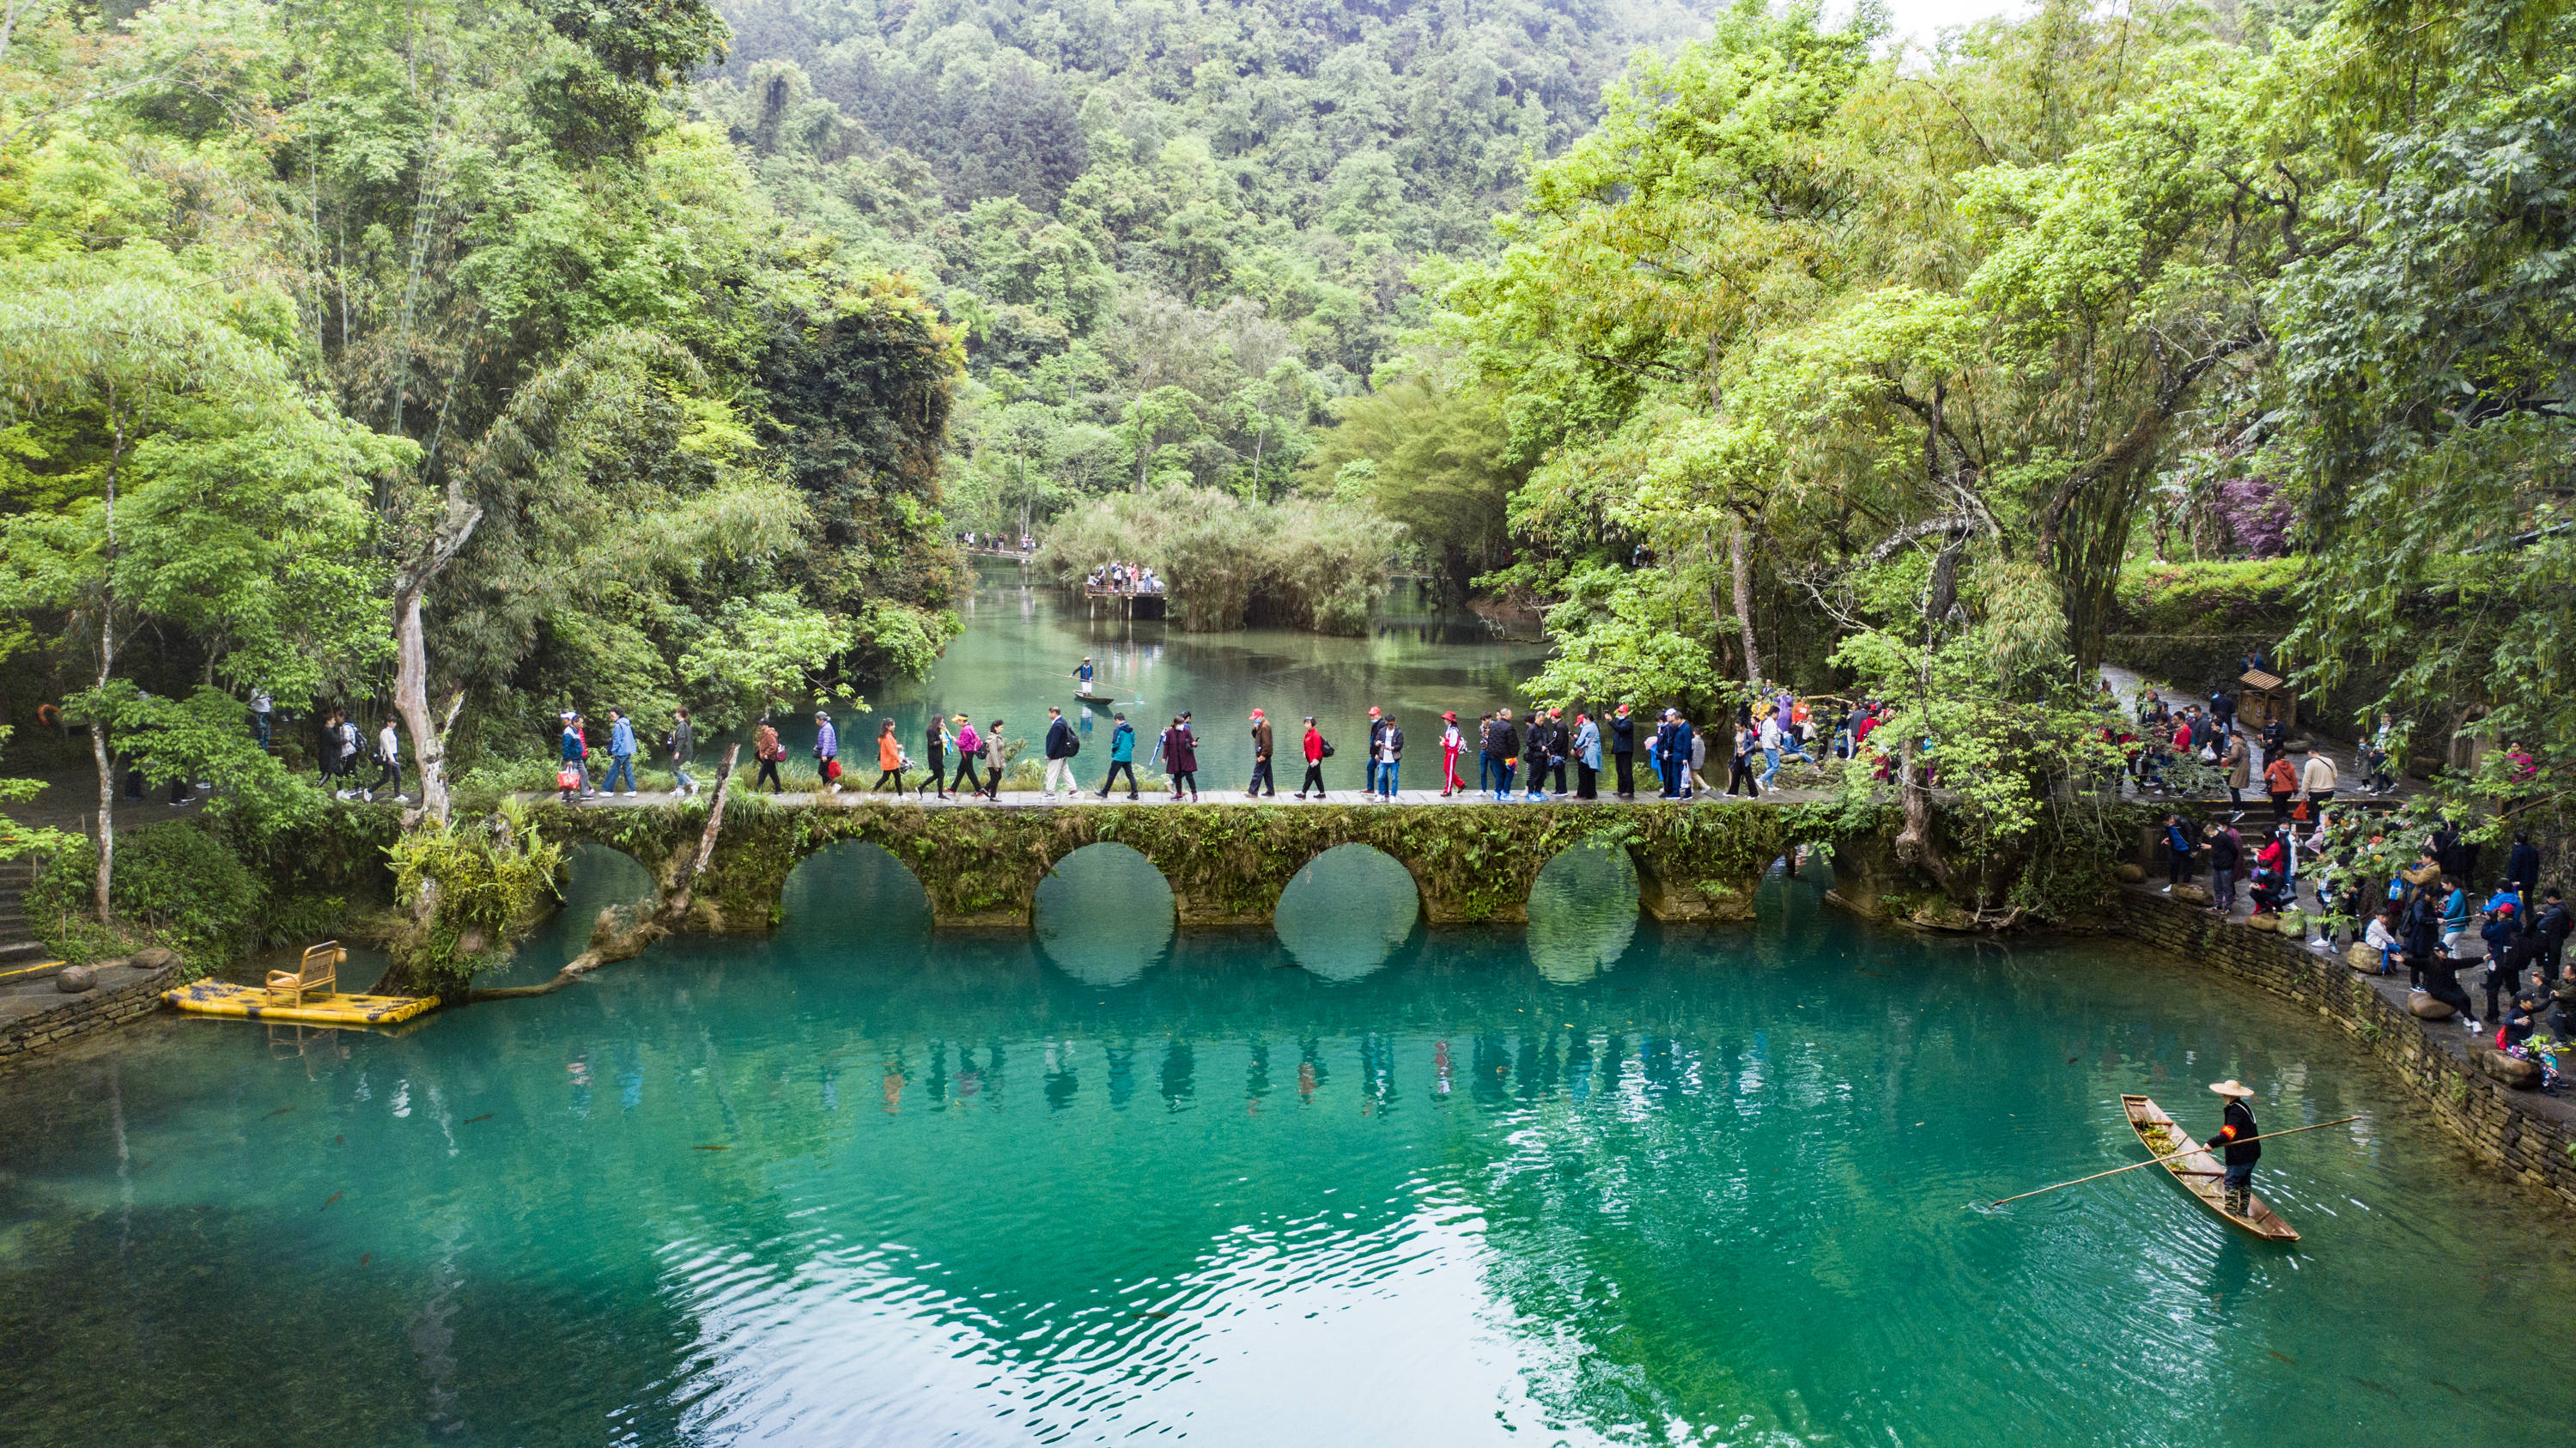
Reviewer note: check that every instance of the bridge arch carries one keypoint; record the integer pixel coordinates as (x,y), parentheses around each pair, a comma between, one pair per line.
(1104,915)
(1347,911)
(852,886)
(1582,911)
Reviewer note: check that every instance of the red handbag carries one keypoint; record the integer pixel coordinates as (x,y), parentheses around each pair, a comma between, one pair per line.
(567,779)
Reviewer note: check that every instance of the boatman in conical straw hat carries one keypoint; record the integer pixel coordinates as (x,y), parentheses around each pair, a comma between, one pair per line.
(2239,1154)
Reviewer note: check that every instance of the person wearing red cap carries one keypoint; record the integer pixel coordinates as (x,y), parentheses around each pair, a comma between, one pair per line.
(1261,779)
(1452,740)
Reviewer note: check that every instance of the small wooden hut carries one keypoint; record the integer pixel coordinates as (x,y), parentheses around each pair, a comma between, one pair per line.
(2262,698)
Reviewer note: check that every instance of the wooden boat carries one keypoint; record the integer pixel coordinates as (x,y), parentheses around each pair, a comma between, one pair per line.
(1093,698)
(2198,1171)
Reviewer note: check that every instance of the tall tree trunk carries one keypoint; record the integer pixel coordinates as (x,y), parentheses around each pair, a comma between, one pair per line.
(106,668)
(1742,566)
(411,700)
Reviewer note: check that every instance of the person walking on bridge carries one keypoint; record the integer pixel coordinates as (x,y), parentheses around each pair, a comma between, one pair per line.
(827,752)
(621,752)
(1313,749)
(997,752)
(970,754)
(683,744)
(1261,776)
(1390,758)
(1453,742)
(1504,744)
(1061,746)
(934,751)
(1587,756)
(1181,758)
(1623,750)
(1122,755)
(890,761)
(766,748)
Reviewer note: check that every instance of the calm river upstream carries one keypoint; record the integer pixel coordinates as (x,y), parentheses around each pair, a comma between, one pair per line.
(1348,1182)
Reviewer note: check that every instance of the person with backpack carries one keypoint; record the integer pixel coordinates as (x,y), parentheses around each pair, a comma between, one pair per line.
(682,742)
(1061,747)
(1261,743)
(621,753)
(349,747)
(1505,745)
(890,761)
(970,754)
(997,753)
(1315,749)
(1122,755)
(766,748)
(1489,763)
(827,752)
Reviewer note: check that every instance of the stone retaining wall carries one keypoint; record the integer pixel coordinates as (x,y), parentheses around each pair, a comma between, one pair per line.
(79,1015)
(2525,1135)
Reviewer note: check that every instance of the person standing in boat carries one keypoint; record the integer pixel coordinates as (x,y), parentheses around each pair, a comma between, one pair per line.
(1083,675)
(2232,1146)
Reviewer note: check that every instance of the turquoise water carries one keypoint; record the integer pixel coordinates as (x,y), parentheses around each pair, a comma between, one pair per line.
(1349,1182)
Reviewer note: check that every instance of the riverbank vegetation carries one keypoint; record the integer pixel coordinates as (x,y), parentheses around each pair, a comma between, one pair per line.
(1306,563)
(469,364)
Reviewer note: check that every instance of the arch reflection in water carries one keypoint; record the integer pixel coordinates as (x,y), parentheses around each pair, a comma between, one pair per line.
(1104,914)
(1582,912)
(849,891)
(1347,912)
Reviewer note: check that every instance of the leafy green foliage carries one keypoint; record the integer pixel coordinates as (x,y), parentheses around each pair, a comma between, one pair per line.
(177,882)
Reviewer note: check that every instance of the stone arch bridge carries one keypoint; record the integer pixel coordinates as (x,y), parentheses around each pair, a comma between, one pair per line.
(1227,864)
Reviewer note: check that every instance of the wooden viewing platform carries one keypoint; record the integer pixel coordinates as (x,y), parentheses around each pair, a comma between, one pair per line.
(1124,602)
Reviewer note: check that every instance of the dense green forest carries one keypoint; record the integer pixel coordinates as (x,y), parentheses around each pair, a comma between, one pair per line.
(1175,238)
(483,360)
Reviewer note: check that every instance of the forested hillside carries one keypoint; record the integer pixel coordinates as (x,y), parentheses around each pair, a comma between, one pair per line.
(1174,235)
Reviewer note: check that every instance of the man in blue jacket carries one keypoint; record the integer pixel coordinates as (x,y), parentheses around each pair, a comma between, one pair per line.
(1060,749)
(1122,755)
(621,752)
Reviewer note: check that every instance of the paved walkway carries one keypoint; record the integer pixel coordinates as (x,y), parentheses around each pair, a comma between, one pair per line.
(1034,799)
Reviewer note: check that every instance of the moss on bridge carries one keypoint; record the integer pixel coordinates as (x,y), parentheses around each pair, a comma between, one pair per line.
(1227,863)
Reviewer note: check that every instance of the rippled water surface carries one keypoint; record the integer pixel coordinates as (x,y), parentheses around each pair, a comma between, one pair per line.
(1350,1182)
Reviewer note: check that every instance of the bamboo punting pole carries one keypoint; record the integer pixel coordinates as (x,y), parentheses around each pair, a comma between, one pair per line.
(2153,1160)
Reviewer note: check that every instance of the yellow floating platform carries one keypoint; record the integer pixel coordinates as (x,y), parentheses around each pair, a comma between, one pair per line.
(250,1002)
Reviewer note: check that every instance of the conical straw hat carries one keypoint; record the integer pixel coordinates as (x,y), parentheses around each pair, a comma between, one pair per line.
(2231,1087)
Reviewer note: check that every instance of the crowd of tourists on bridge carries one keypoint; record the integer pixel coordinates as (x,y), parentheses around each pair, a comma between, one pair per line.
(1542,754)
